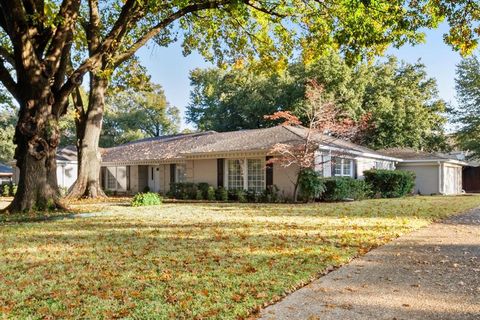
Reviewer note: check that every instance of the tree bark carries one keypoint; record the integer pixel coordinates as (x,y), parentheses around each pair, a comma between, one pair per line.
(37,137)
(89,127)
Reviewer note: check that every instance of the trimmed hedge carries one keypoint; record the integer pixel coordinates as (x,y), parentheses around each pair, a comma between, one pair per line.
(203,191)
(184,191)
(344,188)
(146,199)
(390,183)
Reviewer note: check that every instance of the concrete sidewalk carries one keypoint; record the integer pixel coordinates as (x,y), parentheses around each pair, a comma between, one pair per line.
(433,273)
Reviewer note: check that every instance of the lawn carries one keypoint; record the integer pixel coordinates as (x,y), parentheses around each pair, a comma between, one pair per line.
(188,261)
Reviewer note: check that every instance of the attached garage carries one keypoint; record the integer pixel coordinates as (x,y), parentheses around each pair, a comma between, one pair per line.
(434,177)
(435,173)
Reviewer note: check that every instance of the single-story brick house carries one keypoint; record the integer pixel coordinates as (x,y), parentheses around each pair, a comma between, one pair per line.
(234,160)
(436,173)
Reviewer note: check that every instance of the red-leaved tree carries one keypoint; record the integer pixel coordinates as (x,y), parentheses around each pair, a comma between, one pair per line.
(324,123)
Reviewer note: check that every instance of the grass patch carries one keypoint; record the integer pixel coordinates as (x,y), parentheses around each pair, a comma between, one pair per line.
(188,261)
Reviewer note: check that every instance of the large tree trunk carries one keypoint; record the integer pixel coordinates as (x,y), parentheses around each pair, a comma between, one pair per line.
(37,138)
(89,127)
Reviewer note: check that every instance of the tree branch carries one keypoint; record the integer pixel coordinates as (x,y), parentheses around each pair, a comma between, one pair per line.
(265,10)
(68,13)
(7,80)
(93,27)
(7,56)
(122,57)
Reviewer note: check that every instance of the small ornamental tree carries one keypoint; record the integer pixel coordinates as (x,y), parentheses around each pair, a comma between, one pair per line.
(325,123)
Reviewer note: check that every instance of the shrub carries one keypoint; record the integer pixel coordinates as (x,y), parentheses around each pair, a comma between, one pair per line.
(5,190)
(221,194)
(211,193)
(338,189)
(146,199)
(183,190)
(252,196)
(203,188)
(270,194)
(390,183)
(241,195)
(199,195)
(310,185)
(146,189)
(13,189)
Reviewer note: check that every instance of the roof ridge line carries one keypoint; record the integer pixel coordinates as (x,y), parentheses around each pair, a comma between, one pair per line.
(290,130)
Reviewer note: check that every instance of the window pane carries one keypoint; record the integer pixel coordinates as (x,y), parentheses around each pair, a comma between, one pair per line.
(111,180)
(235,175)
(347,167)
(256,175)
(337,167)
(181,173)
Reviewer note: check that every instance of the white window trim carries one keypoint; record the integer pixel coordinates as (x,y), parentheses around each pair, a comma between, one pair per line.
(342,167)
(244,166)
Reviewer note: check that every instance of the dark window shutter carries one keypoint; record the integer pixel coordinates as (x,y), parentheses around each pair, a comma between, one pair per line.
(173,168)
(354,164)
(128,177)
(269,173)
(220,166)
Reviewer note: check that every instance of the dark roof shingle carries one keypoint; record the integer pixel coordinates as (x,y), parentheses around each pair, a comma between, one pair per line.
(178,146)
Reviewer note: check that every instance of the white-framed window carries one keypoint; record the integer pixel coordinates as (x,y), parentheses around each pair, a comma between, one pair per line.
(245,174)
(235,174)
(111,173)
(387,165)
(342,167)
(256,175)
(180,172)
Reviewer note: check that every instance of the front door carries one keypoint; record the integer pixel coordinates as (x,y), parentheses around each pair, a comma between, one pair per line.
(154,178)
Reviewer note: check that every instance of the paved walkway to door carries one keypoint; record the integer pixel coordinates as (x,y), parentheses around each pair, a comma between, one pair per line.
(433,273)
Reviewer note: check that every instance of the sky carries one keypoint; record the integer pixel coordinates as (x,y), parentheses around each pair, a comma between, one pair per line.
(170,68)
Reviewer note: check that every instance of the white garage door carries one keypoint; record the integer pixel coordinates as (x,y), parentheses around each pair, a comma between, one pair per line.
(452,180)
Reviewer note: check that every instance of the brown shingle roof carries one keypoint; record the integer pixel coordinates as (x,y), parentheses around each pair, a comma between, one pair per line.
(412,154)
(173,147)
(68,153)
(159,148)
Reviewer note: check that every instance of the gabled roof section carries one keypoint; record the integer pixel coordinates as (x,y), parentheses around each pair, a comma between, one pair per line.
(412,155)
(159,148)
(332,142)
(246,140)
(168,148)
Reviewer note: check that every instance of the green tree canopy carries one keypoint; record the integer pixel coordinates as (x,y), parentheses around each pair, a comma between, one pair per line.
(8,118)
(132,115)
(401,99)
(467,114)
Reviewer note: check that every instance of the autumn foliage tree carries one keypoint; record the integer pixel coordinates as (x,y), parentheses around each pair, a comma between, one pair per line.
(325,123)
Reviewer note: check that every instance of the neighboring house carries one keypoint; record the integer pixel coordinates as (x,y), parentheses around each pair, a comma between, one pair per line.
(436,173)
(6,174)
(234,160)
(66,167)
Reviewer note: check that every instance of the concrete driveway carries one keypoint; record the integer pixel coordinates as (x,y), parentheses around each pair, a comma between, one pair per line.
(433,273)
